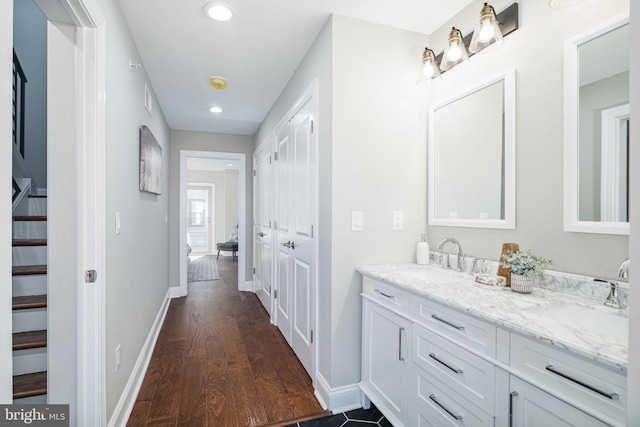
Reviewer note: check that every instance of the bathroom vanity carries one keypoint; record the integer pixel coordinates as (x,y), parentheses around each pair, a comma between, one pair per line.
(440,350)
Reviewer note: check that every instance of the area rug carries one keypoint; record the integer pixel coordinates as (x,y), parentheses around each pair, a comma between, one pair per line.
(203,268)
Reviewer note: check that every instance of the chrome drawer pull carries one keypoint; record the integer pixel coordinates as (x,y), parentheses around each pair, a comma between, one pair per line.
(400,357)
(612,396)
(511,396)
(439,319)
(457,417)
(434,357)
(379,292)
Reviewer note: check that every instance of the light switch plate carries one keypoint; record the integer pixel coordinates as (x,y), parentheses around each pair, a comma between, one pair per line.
(398,221)
(357,221)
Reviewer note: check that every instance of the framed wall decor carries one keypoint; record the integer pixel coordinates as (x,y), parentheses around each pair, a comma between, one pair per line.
(150,162)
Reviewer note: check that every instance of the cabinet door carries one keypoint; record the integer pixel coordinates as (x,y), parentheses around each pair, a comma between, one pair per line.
(531,407)
(384,368)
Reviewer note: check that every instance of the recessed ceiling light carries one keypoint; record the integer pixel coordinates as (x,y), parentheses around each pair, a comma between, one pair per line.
(230,165)
(218,11)
(216,110)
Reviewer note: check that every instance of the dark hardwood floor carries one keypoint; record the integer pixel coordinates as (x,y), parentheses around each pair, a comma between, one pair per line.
(219,362)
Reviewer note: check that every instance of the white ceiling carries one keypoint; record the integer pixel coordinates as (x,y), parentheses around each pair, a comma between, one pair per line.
(257,51)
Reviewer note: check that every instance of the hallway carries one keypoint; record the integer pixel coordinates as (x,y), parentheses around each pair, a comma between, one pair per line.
(219,362)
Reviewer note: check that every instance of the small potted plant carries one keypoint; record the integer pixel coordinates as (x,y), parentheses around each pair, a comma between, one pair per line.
(525,269)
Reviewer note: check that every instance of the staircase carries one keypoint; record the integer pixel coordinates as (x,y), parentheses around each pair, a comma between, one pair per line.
(30,301)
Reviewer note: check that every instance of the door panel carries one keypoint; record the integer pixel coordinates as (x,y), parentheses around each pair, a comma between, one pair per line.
(283,196)
(303,254)
(262,226)
(295,215)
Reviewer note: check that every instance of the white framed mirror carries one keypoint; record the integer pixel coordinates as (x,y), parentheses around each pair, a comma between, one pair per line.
(472,160)
(596,136)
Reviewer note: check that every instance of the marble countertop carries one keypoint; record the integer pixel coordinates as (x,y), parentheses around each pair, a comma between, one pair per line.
(511,310)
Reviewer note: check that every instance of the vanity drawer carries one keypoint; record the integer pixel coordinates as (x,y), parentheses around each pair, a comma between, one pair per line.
(386,294)
(462,328)
(579,381)
(436,404)
(469,375)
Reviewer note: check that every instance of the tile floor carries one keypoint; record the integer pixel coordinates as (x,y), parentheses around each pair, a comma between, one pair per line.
(359,417)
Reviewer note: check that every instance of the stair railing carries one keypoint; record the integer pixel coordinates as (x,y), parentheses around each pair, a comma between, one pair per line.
(19,86)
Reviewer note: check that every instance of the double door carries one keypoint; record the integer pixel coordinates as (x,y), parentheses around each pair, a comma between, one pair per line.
(286,246)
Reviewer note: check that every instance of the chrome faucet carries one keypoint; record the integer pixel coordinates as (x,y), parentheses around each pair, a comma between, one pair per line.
(623,271)
(459,253)
(613,300)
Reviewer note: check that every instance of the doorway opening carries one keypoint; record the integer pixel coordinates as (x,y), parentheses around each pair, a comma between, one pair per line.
(212,208)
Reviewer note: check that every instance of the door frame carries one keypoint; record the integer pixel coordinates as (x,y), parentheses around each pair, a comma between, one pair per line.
(242,214)
(89,127)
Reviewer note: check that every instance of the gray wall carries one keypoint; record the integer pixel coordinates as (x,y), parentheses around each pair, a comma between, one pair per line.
(137,260)
(536,50)
(230,203)
(203,141)
(30,43)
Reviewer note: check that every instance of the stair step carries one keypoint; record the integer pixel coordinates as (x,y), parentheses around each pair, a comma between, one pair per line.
(30,218)
(29,385)
(29,242)
(23,270)
(31,339)
(29,302)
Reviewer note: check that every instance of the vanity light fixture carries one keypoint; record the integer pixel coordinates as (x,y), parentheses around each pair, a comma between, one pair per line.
(456,52)
(218,12)
(490,31)
(487,32)
(430,69)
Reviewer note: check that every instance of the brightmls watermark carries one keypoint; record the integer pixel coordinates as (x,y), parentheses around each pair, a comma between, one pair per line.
(34,415)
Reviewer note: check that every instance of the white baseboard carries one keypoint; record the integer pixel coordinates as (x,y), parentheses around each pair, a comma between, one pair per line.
(339,399)
(247,286)
(175,292)
(130,393)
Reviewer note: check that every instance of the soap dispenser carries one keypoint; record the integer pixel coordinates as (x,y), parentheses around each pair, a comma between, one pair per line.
(422,251)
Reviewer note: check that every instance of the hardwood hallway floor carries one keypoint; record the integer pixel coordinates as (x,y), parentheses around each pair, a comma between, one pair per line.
(219,362)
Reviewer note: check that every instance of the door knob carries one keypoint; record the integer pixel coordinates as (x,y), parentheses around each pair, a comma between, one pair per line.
(288,244)
(261,234)
(293,245)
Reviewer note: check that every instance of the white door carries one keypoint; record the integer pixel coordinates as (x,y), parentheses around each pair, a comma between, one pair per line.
(384,370)
(262,225)
(295,219)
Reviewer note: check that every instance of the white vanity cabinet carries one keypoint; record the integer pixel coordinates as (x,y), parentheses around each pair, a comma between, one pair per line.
(425,363)
(385,349)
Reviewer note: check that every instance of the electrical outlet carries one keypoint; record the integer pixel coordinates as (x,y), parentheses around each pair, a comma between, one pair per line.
(397,224)
(117,357)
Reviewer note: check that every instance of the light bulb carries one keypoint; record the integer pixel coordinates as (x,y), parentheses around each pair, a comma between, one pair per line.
(427,70)
(486,31)
(454,53)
